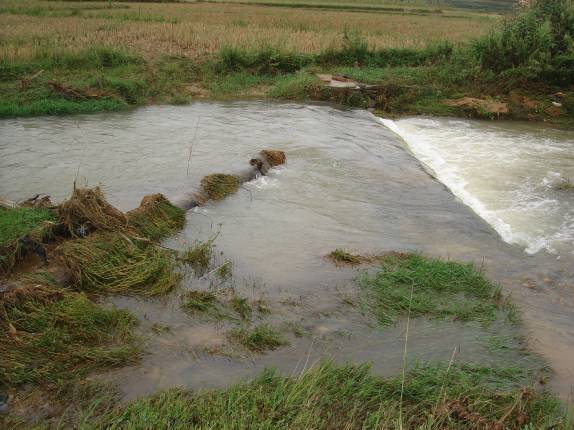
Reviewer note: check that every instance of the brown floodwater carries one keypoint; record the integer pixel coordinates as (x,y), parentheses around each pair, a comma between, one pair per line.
(349,182)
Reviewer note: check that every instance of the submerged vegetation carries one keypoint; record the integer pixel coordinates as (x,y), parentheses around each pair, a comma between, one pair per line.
(259,338)
(410,284)
(328,396)
(198,301)
(199,256)
(51,335)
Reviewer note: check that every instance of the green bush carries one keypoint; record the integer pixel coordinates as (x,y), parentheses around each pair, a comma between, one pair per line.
(531,39)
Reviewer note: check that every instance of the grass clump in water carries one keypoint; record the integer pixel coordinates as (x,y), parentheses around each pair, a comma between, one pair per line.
(219,185)
(225,271)
(48,335)
(341,257)
(332,397)
(198,301)
(114,263)
(566,185)
(242,307)
(199,256)
(274,157)
(440,289)
(259,338)
(156,218)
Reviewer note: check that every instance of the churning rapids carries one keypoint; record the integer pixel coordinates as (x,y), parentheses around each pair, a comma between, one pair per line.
(516,176)
(349,182)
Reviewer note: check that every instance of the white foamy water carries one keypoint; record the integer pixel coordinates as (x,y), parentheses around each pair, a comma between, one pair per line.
(516,176)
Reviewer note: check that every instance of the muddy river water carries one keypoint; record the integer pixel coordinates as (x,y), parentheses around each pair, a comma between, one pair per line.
(492,193)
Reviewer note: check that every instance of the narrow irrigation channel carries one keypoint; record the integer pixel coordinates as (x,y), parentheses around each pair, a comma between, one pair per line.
(258,291)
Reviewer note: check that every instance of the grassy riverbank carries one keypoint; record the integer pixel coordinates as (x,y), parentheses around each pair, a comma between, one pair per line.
(516,72)
(328,396)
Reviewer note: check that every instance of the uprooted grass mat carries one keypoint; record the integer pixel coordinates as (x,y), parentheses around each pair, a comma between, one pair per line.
(87,209)
(48,335)
(156,218)
(115,263)
(273,157)
(217,186)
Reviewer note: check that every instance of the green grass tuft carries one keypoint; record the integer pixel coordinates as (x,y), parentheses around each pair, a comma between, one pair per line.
(36,223)
(157,218)
(48,335)
(58,106)
(295,87)
(440,289)
(217,186)
(18,222)
(260,338)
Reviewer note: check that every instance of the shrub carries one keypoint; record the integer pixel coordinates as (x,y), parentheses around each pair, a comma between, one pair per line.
(531,39)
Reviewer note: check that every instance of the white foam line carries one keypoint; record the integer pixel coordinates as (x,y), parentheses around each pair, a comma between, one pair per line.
(455,183)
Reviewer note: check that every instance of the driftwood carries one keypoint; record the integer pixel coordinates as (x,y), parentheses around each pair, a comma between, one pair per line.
(219,185)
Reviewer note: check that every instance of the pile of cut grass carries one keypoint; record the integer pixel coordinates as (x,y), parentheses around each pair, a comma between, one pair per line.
(156,218)
(434,288)
(217,186)
(113,263)
(259,338)
(350,397)
(49,335)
